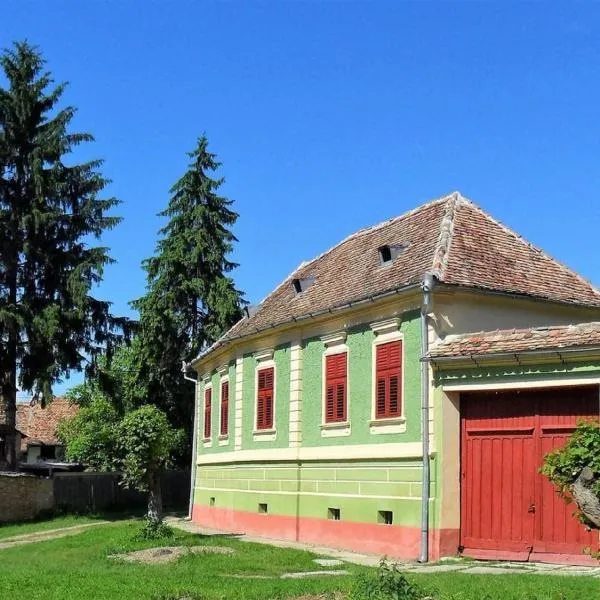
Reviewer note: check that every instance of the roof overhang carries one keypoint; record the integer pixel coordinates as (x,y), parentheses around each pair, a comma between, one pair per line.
(301,320)
(555,355)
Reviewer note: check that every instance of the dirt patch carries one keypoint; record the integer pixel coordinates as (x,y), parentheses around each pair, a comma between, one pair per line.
(167,554)
(42,536)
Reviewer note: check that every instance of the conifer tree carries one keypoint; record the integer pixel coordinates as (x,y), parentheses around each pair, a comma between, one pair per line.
(50,214)
(190,300)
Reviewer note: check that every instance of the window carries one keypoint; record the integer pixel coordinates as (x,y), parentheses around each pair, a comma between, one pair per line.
(264,400)
(301,285)
(388,392)
(335,388)
(387,254)
(224,408)
(207,411)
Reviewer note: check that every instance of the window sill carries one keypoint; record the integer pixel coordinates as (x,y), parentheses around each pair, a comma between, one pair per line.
(206,442)
(388,425)
(336,429)
(264,435)
(224,439)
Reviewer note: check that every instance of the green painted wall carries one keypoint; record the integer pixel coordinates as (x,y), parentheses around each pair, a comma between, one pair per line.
(215,380)
(358,488)
(360,387)
(281,356)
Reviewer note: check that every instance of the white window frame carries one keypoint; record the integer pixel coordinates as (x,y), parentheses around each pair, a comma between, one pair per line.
(385,332)
(224,378)
(265,360)
(207,442)
(335,343)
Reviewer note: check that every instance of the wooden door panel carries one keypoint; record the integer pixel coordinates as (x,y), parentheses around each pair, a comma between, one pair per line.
(506,504)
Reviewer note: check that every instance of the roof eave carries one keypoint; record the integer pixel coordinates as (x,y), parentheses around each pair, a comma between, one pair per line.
(562,354)
(196,362)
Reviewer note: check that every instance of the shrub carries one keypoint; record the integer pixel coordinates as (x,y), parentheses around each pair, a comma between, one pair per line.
(388,583)
(563,465)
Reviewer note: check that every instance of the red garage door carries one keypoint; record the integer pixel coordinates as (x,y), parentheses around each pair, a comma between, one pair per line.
(507,506)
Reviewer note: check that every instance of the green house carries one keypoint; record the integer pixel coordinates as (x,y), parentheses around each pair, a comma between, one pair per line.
(396,394)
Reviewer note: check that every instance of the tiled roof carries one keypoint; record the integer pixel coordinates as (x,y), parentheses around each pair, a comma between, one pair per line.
(508,341)
(39,424)
(451,237)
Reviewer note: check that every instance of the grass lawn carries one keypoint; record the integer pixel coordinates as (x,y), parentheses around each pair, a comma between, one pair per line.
(79,567)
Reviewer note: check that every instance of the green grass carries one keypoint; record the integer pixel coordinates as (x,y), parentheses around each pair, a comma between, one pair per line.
(10,529)
(79,568)
(517,586)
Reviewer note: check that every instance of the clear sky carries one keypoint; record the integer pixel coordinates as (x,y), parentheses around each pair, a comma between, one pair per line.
(332,116)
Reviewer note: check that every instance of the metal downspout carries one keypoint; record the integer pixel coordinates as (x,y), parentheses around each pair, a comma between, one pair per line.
(184,370)
(427,286)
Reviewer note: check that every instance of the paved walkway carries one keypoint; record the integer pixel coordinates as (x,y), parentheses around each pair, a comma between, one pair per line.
(371,560)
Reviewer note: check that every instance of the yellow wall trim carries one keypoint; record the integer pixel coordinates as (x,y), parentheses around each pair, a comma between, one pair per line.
(357,452)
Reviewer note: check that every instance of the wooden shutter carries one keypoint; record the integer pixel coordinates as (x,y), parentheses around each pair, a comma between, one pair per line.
(207,411)
(264,400)
(225,408)
(388,380)
(336,388)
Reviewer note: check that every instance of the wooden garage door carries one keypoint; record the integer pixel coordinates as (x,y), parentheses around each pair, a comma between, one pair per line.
(506,504)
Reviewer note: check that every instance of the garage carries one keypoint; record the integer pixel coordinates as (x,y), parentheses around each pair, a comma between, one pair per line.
(508,509)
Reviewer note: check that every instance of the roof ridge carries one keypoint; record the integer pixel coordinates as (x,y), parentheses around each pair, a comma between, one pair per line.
(531,246)
(442,248)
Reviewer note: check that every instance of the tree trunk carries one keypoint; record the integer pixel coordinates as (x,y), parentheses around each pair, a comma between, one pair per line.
(155,513)
(585,496)
(8,400)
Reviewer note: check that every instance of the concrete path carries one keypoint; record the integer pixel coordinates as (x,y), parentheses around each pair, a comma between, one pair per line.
(50,534)
(371,560)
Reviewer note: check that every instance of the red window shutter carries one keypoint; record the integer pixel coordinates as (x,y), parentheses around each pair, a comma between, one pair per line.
(207,411)
(225,408)
(264,400)
(335,388)
(388,377)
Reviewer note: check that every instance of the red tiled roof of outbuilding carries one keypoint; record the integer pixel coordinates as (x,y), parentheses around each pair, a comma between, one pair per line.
(515,341)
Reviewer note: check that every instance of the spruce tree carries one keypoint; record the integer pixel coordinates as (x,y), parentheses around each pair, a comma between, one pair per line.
(190,299)
(50,215)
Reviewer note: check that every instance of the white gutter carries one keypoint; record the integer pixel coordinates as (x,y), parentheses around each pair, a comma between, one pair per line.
(184,370)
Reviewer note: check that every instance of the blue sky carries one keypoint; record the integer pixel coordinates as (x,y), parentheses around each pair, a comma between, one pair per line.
(331,116)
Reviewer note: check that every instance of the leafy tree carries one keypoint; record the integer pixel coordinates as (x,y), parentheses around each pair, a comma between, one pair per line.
(91,436)
(139,445)
(146,445)
(190,299)
(50,210)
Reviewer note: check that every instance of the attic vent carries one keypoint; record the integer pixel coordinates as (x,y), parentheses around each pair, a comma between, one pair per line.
(301,285)
(388,253)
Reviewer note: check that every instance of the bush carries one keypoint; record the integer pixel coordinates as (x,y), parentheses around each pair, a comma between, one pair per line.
(154,530)
(388,583)
(563,465)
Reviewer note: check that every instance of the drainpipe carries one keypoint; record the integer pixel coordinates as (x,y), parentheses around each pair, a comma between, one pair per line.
(426,286)
(185,369)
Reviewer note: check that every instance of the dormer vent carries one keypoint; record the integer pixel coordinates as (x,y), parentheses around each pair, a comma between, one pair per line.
(390,252)
(301,285)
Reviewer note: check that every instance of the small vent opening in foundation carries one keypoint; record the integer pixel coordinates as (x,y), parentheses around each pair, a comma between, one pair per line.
(333,514)
(386,517)
(263,509)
